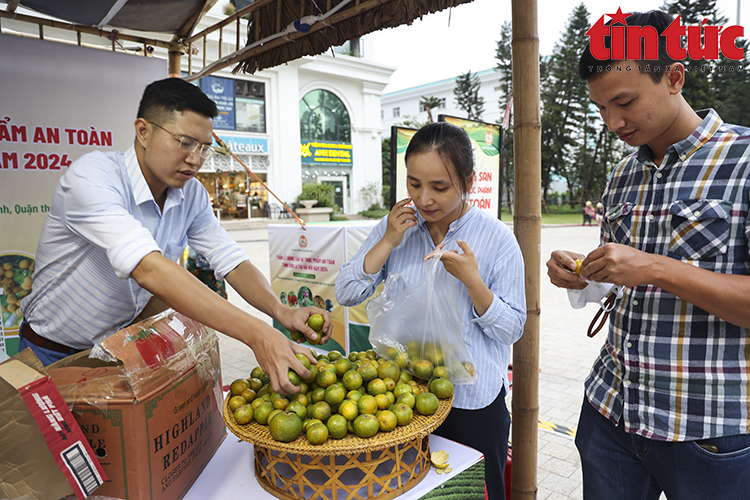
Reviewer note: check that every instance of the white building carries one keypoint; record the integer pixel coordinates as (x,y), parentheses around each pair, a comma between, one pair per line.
(395,107)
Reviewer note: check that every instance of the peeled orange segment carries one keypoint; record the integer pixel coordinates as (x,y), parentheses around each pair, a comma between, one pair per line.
(439,459)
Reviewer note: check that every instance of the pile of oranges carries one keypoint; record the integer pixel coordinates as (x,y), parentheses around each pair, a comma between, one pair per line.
(361,394)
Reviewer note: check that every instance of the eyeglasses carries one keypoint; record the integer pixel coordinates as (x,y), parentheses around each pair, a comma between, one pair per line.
(189,145)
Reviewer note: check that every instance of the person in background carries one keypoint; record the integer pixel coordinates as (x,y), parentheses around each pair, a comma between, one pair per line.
(482,253)
(589,214)
(667,406)
(599,212)
(119,222)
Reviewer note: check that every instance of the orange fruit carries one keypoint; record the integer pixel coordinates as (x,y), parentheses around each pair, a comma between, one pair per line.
(321,410)
(235,402)
(442,388)
(352,379)
(262,412)
(326,378)
(354,395)
(382,400)
(255,384)
(427,403)
(244,414)
(402,388)
(403,414)
(408,399)
(318,394)
(303,359)
(366,425)
(335,394)
(367,404)
(239,385)
(285,427)
(337,426)
(342,365)
(376,386)
(389,369)
(387,420)
(423,369)
(349,409)
(316,322)
(440,371)
(298,408)
(249,395)
(317,434)
(368,371)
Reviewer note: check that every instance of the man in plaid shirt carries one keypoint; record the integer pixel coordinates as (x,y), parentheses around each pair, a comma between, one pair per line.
(666,406)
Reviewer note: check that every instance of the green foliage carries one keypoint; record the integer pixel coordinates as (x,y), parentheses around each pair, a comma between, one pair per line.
(429,103)
(569,124)
(385,158)
(698,90)
(722,87)
(467,95)
(322,192)
(504,57)
(374,212)
(386,196)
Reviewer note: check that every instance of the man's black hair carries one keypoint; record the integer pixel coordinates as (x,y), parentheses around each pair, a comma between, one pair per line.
(163,97)
(589,66)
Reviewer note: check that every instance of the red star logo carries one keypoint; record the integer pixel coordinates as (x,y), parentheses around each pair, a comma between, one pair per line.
(619,17)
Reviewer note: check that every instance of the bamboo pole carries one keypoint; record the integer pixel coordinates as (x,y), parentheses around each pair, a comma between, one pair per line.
(527,224)
(173,60)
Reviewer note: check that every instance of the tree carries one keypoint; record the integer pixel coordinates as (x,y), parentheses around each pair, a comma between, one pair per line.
(565,107)
(429,103)
(385,149)
(467,95)
(504,57)
(698,90)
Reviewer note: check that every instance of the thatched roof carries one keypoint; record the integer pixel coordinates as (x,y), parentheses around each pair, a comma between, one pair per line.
(278,31)
(273,38)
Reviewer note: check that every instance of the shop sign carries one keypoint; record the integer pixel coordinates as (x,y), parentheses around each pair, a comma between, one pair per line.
(221,91)
(326,152)
(246,145)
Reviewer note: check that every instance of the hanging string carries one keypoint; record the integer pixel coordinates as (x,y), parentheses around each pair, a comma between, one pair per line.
(225,149)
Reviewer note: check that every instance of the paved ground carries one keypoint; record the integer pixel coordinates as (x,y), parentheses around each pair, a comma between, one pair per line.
(566,355)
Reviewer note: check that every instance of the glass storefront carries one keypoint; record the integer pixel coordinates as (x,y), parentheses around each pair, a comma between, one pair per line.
(234,193)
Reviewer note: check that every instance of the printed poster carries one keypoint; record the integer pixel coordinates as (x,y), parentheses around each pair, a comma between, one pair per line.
(486,139)
(59,102)
(304,266)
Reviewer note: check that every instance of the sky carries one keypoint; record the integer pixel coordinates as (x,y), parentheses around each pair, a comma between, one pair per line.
(452,42)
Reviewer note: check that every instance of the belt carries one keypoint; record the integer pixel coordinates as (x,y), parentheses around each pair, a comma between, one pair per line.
(31,336)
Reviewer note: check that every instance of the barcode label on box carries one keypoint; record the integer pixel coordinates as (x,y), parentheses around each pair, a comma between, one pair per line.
(80,465)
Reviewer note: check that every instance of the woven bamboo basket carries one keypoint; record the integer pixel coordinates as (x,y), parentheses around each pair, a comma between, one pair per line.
(381,467)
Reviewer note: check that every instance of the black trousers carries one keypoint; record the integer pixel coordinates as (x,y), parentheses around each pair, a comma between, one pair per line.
(485,430)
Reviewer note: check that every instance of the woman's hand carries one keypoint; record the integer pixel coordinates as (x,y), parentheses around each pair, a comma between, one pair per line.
(400,219)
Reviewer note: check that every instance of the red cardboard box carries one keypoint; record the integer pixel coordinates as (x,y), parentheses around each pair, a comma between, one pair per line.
(43,453)
(151,408)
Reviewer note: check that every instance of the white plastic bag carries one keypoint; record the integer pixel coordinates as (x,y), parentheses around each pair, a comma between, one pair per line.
(411,323)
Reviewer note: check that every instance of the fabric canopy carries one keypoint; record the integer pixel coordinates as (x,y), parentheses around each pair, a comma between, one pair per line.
(177,17)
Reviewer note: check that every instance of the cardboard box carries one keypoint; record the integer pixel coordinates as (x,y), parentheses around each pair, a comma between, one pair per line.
(151,408)
(43,453)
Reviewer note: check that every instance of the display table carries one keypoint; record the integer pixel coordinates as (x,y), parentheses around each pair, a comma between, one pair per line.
(231,473)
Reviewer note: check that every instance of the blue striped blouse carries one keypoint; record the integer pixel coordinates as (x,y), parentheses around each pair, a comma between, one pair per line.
(489,337)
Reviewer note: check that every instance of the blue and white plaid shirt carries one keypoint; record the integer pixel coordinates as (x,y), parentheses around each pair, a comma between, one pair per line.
(489,337)
(668,368)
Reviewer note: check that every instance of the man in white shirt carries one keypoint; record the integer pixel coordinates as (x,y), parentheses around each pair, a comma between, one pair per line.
(118,223)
